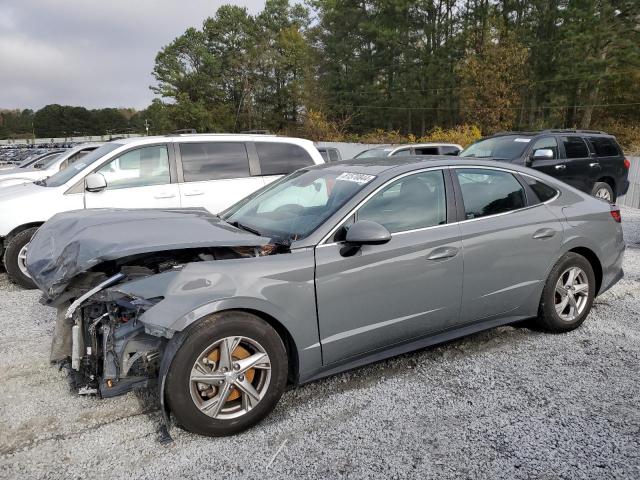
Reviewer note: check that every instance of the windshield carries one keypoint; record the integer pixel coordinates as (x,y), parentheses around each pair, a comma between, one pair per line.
(373,153)
(507,147)
(292,208)
(46,162)
(67,174)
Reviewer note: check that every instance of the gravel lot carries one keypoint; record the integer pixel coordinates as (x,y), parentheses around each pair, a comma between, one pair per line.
(508,403)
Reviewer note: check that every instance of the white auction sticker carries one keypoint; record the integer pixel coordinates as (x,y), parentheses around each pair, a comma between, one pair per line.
(522,140)
(360,178)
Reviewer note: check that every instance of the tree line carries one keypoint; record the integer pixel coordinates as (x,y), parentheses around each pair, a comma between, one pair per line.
(346,68)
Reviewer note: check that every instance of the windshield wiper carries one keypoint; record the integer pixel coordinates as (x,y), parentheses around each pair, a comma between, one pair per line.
(245,228)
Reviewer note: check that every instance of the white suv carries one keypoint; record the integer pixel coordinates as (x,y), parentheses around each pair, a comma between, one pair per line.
(213,171)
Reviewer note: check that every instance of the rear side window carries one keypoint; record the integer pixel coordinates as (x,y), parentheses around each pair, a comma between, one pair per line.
(447,150)
(489,192)
(281,158)
(574,147)
(427,151)
(543,191)
(604,146)
(214,161)
(334,156)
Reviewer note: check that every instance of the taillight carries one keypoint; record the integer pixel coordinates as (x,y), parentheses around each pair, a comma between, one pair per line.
(615,213)
(627,163)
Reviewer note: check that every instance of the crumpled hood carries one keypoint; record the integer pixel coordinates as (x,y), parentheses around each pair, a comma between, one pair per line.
(73,242)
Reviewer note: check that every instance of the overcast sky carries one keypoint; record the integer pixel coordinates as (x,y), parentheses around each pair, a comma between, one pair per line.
(92,53)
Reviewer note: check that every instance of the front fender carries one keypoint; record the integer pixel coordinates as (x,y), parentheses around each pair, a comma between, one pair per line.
(279,286)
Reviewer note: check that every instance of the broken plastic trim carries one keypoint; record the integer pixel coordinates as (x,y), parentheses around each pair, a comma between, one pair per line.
(78,301)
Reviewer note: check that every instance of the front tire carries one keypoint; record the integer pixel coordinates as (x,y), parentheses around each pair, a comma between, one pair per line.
(228,374)
(14,258)
(568,294)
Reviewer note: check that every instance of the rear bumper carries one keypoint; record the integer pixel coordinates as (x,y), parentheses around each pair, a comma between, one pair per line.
(623,186)
(613,274)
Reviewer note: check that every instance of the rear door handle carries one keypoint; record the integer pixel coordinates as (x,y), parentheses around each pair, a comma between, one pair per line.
(442,253)
(560,167)
(544,233)
(193,193)
(594,165)
(164,195)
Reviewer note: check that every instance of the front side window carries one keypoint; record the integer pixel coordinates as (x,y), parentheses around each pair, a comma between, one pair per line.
(138,168)
(412,202)
(214,161)
(574,147)
(489,192)
(293,207)
(281,158)
(548,143)
(405,152)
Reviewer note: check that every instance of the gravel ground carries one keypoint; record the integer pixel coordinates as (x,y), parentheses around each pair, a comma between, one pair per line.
(507,403)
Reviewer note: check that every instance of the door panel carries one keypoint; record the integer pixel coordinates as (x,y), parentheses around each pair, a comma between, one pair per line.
(217,195)
(505,260)
(404,289)
(387,293)
(139,178)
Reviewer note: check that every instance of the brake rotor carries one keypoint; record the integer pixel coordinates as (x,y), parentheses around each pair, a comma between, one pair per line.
(238,354)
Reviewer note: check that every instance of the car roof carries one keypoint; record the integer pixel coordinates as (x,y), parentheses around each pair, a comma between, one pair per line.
(195,137)
(550,132)
(394,165)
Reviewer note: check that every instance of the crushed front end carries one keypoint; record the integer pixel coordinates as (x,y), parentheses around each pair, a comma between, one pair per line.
(102,343)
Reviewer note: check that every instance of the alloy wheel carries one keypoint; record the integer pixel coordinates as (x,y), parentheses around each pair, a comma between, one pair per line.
(571,294)
(230,377)
(22,260)
(604,194)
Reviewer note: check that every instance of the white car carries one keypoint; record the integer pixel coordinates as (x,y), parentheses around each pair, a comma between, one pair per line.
(411,149)
(212,171)
(46,166)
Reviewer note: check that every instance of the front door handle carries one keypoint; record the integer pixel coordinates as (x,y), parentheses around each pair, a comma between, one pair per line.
(164,195)
(594,165)
(561,167)
(442,253)
(544,233)
(193,193)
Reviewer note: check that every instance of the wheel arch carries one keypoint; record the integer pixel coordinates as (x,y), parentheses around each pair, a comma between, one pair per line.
(21,228)
(593,259)
(609,180)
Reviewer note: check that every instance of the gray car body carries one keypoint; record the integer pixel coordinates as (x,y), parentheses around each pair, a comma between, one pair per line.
(336,312)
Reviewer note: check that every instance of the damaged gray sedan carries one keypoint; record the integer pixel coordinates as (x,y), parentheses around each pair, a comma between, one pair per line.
(330,268)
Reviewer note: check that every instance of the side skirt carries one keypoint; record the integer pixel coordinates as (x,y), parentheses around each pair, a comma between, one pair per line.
(399,349)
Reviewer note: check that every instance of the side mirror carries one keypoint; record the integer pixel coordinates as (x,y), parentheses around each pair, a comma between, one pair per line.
(364,232)
(542,154)
(95,182)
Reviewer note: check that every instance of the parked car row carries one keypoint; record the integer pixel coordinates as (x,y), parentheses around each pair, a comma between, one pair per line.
(11,155)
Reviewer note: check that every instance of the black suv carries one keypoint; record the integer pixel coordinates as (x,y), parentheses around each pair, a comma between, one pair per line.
(589,160)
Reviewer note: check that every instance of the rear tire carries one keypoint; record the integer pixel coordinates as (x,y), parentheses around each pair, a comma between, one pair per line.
(201,355)
(568,294)
(14,258)
(604,191)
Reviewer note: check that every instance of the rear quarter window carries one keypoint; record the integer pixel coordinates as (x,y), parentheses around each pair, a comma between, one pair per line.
(605,146)
(543,191)
(281,158)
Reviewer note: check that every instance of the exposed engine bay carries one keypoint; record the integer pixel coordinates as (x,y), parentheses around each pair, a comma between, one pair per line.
(98,336)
